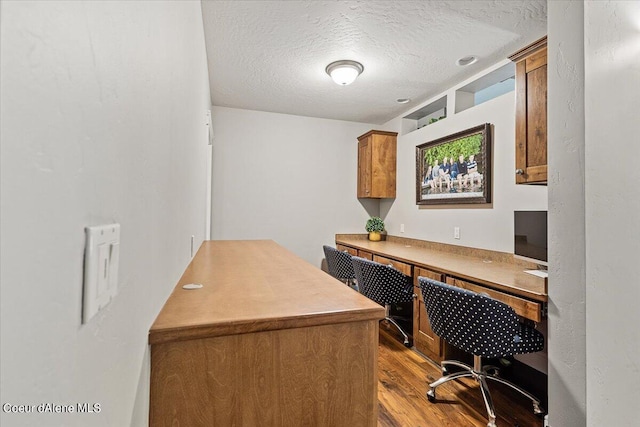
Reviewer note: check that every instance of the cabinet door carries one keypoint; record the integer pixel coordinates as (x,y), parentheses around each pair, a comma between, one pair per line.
(364,167)
(377,164)
(424,339)
(531,118)
(383,165)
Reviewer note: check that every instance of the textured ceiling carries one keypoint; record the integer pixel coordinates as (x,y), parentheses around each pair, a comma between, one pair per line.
(271,55)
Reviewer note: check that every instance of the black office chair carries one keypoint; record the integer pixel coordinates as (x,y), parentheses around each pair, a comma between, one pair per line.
(340,266)
(482,326)
(384,285)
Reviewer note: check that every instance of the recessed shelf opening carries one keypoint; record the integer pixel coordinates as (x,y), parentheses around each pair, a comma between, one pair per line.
(490,86)
(426,115)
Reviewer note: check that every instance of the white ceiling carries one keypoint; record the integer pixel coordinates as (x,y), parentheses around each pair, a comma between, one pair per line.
(271,55)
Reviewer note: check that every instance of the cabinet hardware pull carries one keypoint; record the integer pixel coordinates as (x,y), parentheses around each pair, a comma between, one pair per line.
(519,172)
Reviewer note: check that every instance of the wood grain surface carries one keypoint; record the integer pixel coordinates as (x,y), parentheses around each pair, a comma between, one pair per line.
(252,286)
(508,277)
(525,308)
(403,382)
(424,339)
(377,164)
(269,340)
(531,113)
(316,376)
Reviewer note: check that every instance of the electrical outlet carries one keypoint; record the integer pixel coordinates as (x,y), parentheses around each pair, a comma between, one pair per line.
(402,228)
(456,232)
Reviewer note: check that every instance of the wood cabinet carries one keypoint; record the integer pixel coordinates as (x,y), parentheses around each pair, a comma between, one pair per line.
(525,308)
(355,252)
(350,251)
(424,339)
(496,274)
(404,268)
(531,113)
(377,164)
(365,254)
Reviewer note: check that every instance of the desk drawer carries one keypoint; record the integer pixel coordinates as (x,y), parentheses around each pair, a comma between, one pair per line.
(343,248)
(528,309)
(404,268)
(365,254)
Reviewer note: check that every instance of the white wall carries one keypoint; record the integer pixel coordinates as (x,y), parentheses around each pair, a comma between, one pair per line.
(566,321)
(485,226)
(287,178)
(612,94)
(594,76)
(102,108)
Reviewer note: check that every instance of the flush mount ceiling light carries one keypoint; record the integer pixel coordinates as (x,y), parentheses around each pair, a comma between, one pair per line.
(467,60)
(344,72)
(403,100)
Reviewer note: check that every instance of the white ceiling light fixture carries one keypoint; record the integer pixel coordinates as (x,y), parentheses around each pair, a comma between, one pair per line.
(344,72)
(403,100)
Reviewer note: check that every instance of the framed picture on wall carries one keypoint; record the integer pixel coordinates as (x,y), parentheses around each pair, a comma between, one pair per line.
(455,169)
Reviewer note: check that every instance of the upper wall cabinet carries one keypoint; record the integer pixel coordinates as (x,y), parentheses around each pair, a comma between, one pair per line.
(531,113)
(377,165)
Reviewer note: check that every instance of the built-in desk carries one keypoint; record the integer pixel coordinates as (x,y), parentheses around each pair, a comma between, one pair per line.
(495,273)
(269,340)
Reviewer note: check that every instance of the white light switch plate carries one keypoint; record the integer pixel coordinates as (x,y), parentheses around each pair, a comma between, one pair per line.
(101,256)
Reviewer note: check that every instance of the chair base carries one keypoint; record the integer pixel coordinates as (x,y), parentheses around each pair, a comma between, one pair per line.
(481,375)
(388,318)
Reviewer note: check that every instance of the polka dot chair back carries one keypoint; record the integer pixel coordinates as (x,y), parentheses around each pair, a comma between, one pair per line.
(382,283)
(476,323)
(339,263)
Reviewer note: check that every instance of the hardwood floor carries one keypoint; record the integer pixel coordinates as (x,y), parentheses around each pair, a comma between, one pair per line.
(403,375)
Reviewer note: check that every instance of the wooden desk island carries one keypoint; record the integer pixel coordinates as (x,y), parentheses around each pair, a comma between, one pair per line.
(269,340)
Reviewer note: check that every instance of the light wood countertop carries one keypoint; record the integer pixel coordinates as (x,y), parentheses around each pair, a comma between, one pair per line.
(494,273)
(252,286)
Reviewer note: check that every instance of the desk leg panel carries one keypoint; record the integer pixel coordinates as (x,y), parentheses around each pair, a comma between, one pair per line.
(315,376)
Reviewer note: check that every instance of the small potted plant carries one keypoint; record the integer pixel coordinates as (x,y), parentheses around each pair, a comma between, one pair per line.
(375,227)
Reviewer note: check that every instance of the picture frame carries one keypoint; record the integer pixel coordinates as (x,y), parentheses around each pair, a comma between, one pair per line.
(440,182)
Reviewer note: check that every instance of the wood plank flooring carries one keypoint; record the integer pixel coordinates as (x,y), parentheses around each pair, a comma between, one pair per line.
(403,375)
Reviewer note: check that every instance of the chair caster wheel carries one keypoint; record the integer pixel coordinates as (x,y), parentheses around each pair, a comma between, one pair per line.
(431,395)
(493,370)
(538,411)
